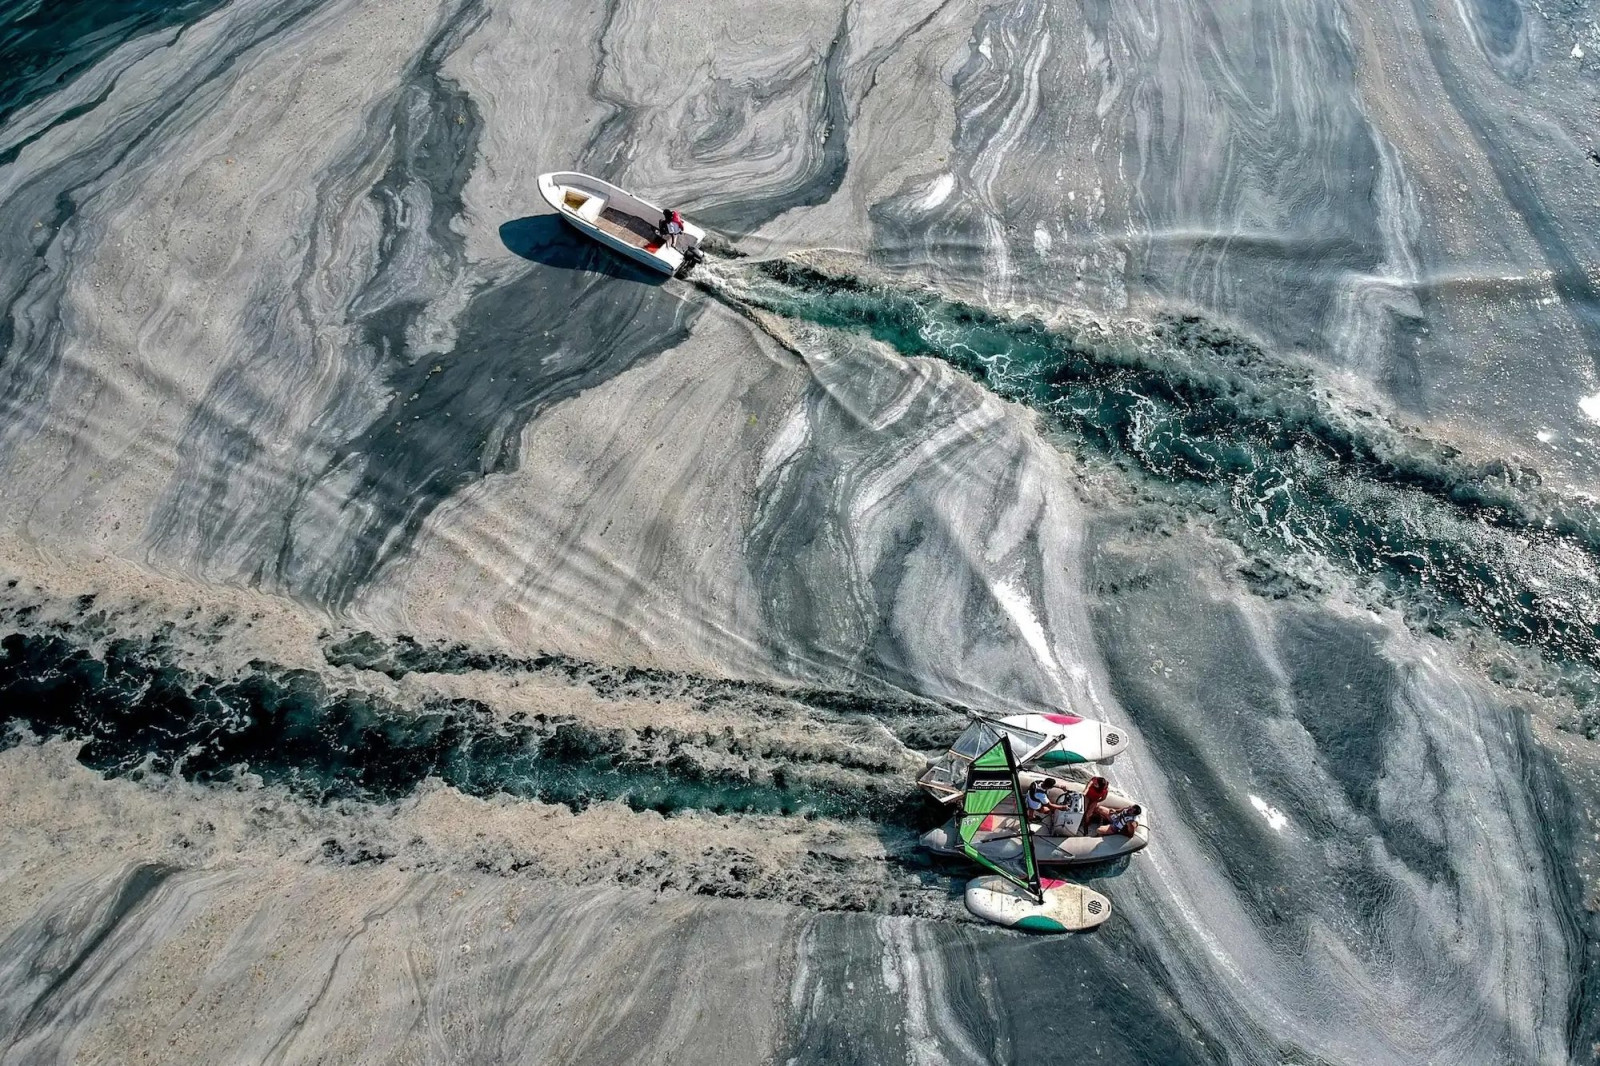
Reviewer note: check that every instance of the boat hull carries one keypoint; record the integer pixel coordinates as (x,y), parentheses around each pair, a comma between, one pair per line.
(654,262)
(1047,850)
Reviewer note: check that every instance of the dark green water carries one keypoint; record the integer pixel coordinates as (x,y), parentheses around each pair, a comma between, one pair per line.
(139,712)
(45,46)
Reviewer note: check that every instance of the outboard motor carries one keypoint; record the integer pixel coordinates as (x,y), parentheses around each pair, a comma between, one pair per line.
(692,257)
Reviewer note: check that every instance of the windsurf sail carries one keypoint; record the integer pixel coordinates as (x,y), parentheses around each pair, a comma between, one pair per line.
(1000,841)
(947,777)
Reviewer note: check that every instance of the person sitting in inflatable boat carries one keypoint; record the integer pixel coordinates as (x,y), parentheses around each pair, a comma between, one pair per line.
(1037,801)
(1124,823)
(1065,807)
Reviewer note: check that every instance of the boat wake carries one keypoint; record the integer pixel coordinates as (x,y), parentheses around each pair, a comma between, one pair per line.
(1320,492)
(718,787)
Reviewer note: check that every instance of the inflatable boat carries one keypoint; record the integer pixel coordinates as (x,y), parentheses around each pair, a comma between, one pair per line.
(1056,843)
(1019,897)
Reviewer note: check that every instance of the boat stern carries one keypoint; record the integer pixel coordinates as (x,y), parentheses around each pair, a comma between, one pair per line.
(942,841)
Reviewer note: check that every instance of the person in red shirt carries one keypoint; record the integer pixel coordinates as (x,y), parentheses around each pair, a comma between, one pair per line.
(1094,793)
(671,226)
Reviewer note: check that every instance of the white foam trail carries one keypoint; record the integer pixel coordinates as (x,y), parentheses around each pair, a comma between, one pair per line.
(938,192)
(1016,604)
(1275,818)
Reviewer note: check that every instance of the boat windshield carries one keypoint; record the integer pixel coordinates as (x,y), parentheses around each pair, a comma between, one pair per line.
(947,777)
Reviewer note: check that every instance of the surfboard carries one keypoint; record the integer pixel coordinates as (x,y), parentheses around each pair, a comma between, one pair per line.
(1067,907)
(1073,739)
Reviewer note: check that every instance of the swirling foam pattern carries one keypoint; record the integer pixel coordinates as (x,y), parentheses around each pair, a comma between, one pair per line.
(426,637)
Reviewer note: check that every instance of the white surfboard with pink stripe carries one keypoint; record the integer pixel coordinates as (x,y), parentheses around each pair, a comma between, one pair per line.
(1068,739)
(1065,907)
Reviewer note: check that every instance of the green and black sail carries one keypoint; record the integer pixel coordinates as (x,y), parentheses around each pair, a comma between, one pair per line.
(999,841)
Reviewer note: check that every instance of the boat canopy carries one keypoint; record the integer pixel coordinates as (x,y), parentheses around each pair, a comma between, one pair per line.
(947,777)
(992,812)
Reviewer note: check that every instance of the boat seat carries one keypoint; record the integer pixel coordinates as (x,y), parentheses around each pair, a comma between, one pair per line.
(590,211)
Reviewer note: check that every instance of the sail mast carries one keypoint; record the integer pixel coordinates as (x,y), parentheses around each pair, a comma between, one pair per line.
(991,780)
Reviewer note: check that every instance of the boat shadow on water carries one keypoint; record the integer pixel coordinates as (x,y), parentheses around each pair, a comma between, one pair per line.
(546,239)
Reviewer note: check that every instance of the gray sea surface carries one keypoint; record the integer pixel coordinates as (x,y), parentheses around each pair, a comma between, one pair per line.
(426,636)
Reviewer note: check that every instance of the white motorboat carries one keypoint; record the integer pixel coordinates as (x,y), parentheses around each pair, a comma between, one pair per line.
(620,220)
